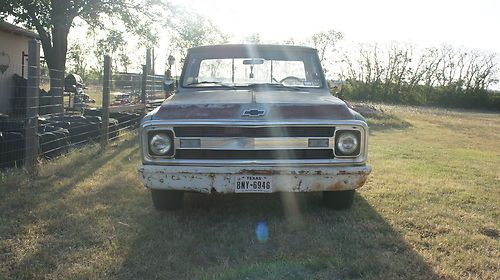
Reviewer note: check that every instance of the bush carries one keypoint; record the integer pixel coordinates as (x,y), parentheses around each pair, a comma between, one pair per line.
(443,96)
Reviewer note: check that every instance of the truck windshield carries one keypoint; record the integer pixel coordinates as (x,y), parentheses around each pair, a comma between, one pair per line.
(233,69)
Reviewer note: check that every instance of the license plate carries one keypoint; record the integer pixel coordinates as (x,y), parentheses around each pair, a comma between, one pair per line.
(252,184)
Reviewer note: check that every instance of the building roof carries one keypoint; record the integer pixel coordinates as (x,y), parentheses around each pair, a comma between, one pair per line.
(14,29)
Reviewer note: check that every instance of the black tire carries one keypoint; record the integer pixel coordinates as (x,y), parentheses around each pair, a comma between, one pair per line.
(339,200)
(81,129)
(11,149)
(166,199)
(49,145)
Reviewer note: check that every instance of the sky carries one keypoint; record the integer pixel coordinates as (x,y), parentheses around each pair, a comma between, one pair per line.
(421,23)
(469,24)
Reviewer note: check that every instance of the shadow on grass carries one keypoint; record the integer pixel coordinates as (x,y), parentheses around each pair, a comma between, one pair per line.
(30,206)
(214,238)
(110,230)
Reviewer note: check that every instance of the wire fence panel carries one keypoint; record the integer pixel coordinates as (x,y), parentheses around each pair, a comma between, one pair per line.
(59,115)
(156,91)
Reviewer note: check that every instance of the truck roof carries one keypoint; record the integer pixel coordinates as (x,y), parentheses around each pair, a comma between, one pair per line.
(260,47)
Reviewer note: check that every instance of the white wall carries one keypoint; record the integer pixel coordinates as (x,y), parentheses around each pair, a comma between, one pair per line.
(13,45)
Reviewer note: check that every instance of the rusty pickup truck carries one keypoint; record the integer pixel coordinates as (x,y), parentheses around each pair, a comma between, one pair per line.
(253,119)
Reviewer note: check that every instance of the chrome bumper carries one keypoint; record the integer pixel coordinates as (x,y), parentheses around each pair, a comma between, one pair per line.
(209,179)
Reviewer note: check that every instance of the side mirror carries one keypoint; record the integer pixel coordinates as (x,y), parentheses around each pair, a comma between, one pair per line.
(170,85)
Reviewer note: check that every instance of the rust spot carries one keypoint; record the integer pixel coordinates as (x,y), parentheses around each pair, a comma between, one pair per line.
(185,172)
(345,172)
(259,172)
(361,181)
(274,172)
(299,172)
(337,186)
(316,187)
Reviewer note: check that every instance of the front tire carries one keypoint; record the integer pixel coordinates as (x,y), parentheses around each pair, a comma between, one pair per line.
(167,199)
(339,200)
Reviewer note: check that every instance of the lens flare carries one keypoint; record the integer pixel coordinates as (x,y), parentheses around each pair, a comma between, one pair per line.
(262,231)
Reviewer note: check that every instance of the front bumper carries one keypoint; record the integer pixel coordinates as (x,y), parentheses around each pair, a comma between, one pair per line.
(208,179)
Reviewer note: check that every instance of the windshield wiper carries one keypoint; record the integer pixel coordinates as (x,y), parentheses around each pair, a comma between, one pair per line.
(219,84)
(277,85)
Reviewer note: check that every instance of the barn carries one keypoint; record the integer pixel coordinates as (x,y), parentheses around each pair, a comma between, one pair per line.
(13,60)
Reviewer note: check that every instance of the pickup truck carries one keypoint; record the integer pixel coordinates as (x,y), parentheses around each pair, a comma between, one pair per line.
(253,119)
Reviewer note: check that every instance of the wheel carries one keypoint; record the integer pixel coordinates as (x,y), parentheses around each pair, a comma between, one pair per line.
(167,200)
(339,200)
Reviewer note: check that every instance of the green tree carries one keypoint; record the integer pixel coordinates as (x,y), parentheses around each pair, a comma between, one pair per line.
(124,60)
(53,20)
(77,57)
(112,43)
(195,30)
(325,42)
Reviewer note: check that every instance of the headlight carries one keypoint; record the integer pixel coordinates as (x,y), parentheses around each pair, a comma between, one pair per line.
(348,143)
(160,144)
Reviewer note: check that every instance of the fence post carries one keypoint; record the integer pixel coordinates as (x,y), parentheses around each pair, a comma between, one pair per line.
(148,61)
(105,101)
(32,102)
(144,83)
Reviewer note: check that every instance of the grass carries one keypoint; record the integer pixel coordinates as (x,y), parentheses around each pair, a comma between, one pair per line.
(430,210)
(95,92)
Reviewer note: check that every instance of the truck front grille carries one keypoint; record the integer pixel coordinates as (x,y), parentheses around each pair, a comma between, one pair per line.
(254,154)
(249,142)
(275,131)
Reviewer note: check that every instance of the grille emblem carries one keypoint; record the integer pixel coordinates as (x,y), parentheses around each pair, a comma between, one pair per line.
(253,113)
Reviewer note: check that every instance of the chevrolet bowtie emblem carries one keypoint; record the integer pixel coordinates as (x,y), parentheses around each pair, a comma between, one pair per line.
(252,113)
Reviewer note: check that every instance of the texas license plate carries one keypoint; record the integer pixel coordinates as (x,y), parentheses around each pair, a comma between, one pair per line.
(252,184)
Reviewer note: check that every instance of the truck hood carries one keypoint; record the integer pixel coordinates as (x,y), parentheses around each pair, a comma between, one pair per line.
(235,105)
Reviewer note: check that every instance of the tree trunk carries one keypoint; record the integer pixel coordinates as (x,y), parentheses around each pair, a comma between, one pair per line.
(55,56)
(56,73)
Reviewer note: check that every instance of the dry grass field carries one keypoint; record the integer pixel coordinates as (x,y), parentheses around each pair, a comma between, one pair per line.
(430,210)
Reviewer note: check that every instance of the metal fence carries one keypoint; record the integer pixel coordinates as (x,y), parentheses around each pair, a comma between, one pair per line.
(49,114)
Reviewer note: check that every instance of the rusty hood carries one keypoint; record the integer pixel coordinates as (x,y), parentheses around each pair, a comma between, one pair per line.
(248,105)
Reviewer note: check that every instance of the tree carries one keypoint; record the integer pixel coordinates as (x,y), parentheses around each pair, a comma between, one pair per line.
(124,60)
(112,43)
(253,38)
(289,41)
(77,56)
(325,42)
(195,30)
(53,19)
